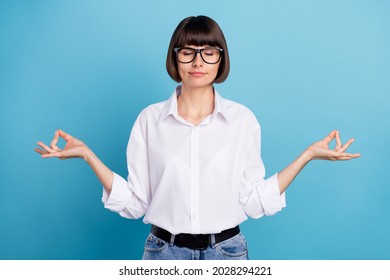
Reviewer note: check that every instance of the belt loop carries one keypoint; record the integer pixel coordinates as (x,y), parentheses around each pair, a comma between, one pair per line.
(212,240)
(172,241)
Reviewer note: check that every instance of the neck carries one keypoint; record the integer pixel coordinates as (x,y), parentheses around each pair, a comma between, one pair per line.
(195,103)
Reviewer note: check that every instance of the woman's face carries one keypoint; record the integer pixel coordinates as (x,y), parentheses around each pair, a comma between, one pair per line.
(197,73)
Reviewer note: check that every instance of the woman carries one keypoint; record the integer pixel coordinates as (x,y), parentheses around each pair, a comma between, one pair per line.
(195,170)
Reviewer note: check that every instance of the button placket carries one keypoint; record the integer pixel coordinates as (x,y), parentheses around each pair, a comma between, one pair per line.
(195,180)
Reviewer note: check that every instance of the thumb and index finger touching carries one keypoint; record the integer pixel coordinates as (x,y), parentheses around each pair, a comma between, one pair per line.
(335,134)
(57,134)
(53,145)
(340,149)
(329,137)
(63,134)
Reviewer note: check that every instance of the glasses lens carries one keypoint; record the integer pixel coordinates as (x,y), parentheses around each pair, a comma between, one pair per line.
(186,55)
(209,55)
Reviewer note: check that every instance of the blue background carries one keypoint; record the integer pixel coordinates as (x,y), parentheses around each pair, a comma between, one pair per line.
(89,67)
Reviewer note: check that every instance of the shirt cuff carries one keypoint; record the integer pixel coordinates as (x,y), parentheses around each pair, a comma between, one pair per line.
(270,197)
(120,194)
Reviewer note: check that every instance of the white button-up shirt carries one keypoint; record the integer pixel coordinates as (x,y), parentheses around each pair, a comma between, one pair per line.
(195,179)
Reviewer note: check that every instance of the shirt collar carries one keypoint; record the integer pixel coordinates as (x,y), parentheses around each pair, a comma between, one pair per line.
(170,107)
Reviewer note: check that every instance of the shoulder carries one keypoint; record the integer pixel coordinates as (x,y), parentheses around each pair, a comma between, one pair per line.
(147,118)
(240,113)
(151,111)
(154,112)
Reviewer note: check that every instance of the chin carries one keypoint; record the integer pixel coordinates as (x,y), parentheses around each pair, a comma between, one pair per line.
(198,83)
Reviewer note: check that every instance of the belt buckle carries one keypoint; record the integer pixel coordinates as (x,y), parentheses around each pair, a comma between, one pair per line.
(201,242)
(193,241)
(201,246)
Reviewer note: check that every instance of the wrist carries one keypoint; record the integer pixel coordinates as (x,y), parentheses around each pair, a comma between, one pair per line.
(86,153)
(308,155)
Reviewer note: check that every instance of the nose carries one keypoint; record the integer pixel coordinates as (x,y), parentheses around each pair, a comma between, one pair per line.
(198,61)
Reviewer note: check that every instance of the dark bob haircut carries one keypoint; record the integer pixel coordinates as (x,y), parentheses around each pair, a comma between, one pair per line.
(198,31)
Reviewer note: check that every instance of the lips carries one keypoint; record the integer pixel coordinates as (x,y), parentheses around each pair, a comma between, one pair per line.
(197,74)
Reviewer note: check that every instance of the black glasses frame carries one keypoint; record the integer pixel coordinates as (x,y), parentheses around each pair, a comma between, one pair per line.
(200,52)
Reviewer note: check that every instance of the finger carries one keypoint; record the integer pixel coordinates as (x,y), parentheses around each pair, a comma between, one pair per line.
(341,155)
(51,155)
(64,154)
(59,154)
(338,141)
(333,155)
(348,157)
(42,152)
(64,135)
(47,148)
(53,143)
(329,138)
(346,145)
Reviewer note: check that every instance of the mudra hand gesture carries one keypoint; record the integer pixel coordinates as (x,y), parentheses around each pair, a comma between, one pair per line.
(74,148)
(321,150)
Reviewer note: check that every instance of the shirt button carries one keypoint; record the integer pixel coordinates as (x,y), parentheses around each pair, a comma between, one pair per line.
(194,217)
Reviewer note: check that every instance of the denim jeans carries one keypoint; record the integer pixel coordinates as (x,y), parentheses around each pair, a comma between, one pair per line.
(234,248)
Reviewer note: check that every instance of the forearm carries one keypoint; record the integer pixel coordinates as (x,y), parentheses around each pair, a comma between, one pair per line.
(287,175)
(104,174)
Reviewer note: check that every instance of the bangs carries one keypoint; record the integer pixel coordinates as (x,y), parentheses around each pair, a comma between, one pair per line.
(199,33)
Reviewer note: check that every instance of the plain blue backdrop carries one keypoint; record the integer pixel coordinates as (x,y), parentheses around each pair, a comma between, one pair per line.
(89,67)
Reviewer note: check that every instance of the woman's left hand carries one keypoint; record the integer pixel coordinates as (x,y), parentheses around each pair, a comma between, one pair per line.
(321,150)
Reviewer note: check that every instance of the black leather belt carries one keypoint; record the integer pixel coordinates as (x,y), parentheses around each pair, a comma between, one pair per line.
(194,241)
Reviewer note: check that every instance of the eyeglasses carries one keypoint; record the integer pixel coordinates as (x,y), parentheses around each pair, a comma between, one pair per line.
(210,55)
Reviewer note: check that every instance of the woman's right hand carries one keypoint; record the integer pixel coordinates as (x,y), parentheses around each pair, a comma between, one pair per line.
(74,148)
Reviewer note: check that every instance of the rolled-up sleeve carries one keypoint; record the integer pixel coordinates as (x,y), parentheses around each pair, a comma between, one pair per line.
(130,198)
(259,196)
